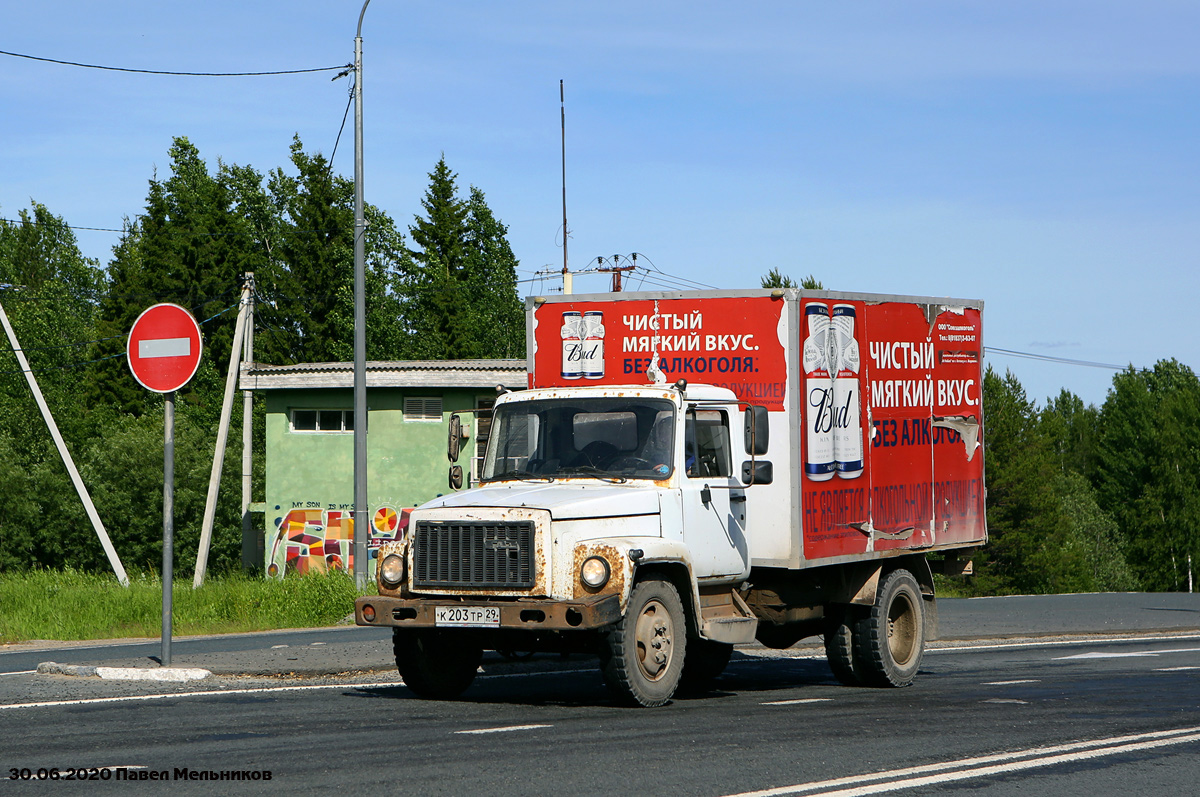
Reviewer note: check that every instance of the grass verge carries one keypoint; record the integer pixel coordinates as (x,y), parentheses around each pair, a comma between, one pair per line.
(72,605)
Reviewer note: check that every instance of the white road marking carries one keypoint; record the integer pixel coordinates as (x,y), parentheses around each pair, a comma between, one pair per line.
(1059,643)
(505,729)
(1141,654)
(266,690)
(1175,669)
(278,647)
(1007,700)
(798,702)
(164,347)
(1125,655)
(19,672)
(982,766)
(1012,683)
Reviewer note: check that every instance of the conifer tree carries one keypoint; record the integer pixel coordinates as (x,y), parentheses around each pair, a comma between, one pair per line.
(462,289)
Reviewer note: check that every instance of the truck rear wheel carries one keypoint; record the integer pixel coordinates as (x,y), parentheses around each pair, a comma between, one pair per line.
(642,657)
(435,664)
(890,639)
(839,650)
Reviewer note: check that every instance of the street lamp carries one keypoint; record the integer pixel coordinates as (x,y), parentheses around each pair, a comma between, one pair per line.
(361,509)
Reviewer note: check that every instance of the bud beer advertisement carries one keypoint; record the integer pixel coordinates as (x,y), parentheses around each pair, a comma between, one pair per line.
(731,342)
(891,414)
(888,394)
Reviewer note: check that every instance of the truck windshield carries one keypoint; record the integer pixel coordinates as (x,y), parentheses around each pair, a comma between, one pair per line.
(618,438)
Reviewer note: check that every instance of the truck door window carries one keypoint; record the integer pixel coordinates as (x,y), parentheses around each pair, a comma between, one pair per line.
(707,452)
(514,443)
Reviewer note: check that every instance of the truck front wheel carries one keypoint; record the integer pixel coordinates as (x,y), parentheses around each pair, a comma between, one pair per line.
(642,656)
(435,664)
(889,640)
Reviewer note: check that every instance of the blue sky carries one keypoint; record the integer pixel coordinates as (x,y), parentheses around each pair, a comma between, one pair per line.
(1041,156)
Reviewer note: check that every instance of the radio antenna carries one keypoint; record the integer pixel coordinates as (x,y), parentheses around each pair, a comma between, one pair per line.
(563,116)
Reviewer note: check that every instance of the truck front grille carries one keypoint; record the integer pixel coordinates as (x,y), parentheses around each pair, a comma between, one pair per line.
(495,555)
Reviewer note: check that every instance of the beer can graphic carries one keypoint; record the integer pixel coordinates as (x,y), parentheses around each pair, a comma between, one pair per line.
(847,405)
(572,344)
(593,344)
(819,463)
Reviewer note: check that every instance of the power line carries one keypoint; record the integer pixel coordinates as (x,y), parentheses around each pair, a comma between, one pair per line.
(180,74)
(1062,360)
(345,116)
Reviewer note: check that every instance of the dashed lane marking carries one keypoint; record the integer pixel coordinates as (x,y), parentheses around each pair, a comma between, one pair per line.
(798,702)
(1012,683)
(505,729)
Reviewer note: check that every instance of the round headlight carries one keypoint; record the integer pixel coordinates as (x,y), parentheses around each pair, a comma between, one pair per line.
(594,572)
(392,570)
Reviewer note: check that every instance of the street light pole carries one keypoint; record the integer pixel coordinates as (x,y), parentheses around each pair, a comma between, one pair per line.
(361,509)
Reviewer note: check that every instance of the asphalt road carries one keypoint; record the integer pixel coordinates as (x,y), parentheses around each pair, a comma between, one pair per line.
(1038,710)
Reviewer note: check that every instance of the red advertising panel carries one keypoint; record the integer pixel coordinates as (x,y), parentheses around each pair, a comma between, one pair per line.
(957,451)
(905,388)
(732,342)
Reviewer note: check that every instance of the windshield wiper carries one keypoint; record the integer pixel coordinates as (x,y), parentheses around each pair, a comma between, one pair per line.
(523,475)
(588,470)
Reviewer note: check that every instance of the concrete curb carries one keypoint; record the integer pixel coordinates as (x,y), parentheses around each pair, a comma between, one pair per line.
(124,673)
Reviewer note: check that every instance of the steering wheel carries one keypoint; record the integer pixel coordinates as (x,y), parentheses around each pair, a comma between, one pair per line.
(596,453)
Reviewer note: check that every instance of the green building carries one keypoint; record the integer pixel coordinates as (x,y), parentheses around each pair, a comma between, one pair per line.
(310,448)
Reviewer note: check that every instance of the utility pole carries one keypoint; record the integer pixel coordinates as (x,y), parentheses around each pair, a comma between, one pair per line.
(616,270)
(214,479)
(76,479)
(360,326)
(250,540)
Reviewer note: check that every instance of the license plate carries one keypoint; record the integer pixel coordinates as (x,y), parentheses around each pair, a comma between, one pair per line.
(467,616)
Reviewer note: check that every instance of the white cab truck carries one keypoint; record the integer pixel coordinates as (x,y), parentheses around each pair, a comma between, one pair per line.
(692,471)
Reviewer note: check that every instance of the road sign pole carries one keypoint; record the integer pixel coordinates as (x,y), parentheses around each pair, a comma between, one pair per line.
(168,523)
(164,350)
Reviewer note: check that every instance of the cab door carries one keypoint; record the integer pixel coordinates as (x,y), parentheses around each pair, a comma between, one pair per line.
(714,502)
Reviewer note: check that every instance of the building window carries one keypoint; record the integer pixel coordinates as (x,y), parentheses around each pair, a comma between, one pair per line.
(422,409)
(322,420)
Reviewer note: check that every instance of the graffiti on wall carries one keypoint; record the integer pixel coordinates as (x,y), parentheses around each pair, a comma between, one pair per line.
(309,539)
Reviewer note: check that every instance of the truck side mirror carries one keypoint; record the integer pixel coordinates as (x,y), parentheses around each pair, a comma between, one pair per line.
(757,432)
(757,472)
(456,477)
(455,438)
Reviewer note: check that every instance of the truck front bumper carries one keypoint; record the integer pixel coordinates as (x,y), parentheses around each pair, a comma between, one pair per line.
(522,614)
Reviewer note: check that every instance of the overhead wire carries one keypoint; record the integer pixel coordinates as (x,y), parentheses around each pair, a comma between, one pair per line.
(345,116)
(1060,360)
(177,74)
(81,363)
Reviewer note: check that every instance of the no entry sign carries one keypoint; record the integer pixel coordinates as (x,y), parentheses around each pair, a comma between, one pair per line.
(164,348)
